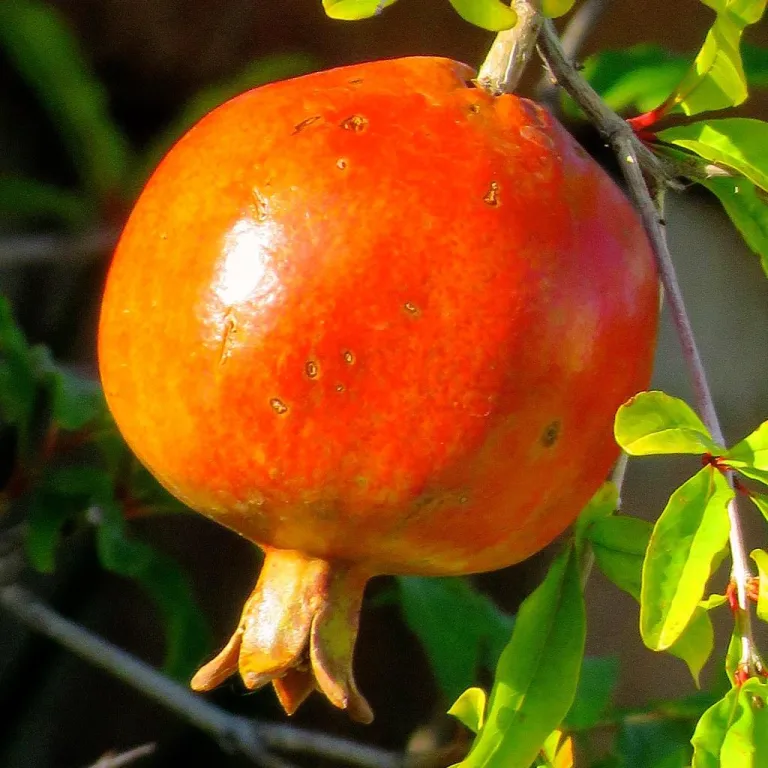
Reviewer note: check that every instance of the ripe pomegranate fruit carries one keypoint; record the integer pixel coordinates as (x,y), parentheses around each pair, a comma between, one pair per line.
(376,321)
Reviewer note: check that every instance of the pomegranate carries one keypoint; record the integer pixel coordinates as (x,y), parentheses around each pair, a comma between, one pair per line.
(377,321)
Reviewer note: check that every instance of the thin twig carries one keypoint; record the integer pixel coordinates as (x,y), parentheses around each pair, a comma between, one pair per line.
(576,32)
(235,734)
(635,158)
(113,760)
(22,250)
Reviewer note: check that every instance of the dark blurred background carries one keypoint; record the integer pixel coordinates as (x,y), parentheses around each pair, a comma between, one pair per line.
(154,57)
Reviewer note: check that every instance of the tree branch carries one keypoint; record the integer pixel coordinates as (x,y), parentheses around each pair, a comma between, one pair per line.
(634,159)
(251,738)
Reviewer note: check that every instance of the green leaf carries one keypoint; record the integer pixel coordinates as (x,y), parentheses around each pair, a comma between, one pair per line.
(746,208)
(597,682)
(695,644)
(761,502)
(716,79)
(187,635)
(602,505)
(761,561)
(469,709)
(459,628)
(538,671)
(647,742)
(751,452)
(713,601)
(60,495)
(619,545)
(17,376)
(352,10)
(556,8)
(733,733)
(755,60)
(487,14)
(687,544)
(654,422)
(733,656)
(736,142)
(26,200)
(260,72)
(637,78)
(38,42)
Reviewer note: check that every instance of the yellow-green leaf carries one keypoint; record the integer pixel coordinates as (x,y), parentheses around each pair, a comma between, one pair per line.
(352,10)
(469,709)
(555,8)
(488,14)
(688,543)
(761,561)
(655,423)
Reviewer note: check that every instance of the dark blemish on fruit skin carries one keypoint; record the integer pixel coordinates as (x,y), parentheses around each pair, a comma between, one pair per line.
(411,308)
(305,124)
(349,357)
(278,406)
(356,81)
(474,109)
(492,195)
(228,337)
(342,164)
(339,387)
(551,434)
(311,369)
(355,123)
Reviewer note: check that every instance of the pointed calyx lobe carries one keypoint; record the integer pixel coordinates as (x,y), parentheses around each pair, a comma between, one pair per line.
(297,631)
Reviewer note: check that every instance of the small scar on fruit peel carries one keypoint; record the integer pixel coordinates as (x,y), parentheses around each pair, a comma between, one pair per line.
(341,163)
(355,123)
(349,357)
(311,369)
(299,127)
(228,337)
(492,195)
(278,406)
(411,308)
(550,435)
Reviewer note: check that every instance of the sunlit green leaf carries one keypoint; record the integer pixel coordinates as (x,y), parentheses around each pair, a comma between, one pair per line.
(752,451)
(460,629)
(716,79)
(736,142)
(733,733)
(688,543)
(654,422)
(637,78)
(733,656)
(713,601)
(469,709)
(619,544)
(760,557)
(352,10)
(597,681)
(24,201)
(538,671)
(755,60)
(602,504)
(41,46)
(747,208)
(488,14)
(695,644)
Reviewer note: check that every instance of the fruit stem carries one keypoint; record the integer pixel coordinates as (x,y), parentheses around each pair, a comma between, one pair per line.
(634,158)
(511,50)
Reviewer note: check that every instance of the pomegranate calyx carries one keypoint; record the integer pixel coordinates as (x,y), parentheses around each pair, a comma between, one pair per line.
(297,630)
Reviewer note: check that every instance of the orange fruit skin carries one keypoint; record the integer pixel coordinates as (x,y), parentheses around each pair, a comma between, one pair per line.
(380,317)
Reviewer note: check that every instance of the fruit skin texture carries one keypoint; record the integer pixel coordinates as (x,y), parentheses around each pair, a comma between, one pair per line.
(376,321)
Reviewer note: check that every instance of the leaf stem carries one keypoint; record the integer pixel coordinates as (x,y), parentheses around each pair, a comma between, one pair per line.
(635,159)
